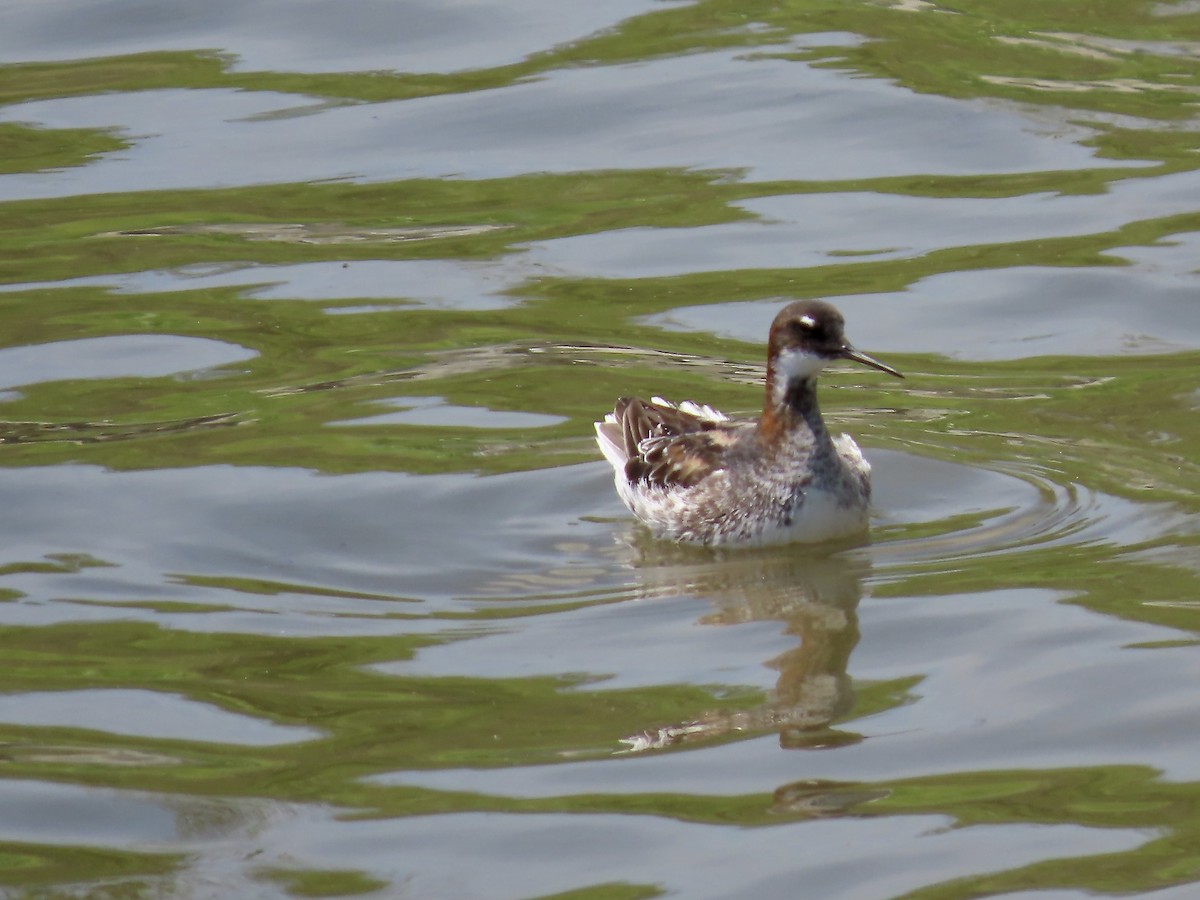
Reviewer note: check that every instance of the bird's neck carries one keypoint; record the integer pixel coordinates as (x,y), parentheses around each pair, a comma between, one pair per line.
(790,406)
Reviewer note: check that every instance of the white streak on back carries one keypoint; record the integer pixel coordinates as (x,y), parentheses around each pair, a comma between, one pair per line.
(705,412)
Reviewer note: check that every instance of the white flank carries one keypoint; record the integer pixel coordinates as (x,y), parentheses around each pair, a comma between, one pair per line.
(613,452)
(822,517)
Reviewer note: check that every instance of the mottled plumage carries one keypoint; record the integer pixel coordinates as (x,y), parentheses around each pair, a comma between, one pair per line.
(691,474)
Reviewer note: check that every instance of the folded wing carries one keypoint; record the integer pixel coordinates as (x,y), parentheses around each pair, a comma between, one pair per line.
(658,443)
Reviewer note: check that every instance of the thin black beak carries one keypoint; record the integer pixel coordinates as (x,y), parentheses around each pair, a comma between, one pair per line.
(848,352)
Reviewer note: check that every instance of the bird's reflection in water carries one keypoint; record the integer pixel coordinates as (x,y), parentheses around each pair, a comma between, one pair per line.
(813,592)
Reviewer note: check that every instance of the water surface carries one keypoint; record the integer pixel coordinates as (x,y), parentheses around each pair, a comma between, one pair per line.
(314,583)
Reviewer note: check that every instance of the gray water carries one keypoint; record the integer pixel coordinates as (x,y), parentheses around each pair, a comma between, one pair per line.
(314,583)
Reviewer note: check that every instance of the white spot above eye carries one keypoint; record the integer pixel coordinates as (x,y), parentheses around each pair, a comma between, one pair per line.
(808,321)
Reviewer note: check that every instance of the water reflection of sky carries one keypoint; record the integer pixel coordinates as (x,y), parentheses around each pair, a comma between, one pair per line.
(146,713)
(800,230)
(771,118)
(309,35)
(116,356)
(1012,314)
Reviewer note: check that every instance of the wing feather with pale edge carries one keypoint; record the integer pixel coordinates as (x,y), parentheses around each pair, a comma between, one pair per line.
(668,445)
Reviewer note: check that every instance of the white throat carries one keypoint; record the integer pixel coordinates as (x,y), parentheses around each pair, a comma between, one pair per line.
(794,364)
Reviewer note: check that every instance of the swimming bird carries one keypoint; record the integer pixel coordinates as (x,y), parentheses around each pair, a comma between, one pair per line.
(693,475)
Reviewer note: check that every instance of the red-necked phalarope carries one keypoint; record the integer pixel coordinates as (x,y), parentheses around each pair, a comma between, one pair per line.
(692,475)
